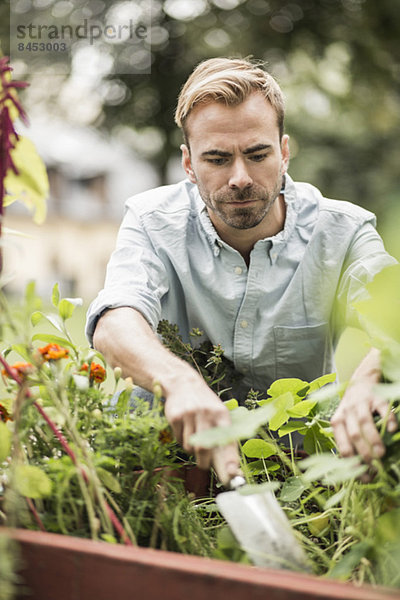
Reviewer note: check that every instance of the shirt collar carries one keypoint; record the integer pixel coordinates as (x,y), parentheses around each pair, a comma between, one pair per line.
(211,233)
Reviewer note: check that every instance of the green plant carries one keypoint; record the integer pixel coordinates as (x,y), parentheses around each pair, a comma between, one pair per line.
(77,459)
(80,463)
(344,524)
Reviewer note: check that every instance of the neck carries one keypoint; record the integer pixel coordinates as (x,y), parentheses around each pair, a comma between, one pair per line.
(243,240)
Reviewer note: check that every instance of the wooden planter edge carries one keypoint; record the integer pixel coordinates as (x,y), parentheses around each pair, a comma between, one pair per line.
(70,568)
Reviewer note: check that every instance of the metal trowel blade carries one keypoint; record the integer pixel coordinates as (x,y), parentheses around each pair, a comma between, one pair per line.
(262,529)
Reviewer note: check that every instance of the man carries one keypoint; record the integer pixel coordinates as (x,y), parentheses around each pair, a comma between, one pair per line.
(264,266)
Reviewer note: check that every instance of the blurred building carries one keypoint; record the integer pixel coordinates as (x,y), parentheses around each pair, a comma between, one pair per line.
(90,179)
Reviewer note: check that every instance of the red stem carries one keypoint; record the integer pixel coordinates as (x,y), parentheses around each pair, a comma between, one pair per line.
(113,517)
(35,513)
(59,436)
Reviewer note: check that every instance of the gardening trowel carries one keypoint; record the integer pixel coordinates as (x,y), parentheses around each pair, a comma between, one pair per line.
(261,527)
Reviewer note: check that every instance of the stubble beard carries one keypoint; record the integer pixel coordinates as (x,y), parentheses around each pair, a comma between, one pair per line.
(241,217)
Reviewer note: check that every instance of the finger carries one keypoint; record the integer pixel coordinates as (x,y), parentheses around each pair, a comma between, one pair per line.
(343,441)
(188,429)
(203,458)
(177,430)
(205,420)
(364,435)
(384,410)
(226,463)
(175,419)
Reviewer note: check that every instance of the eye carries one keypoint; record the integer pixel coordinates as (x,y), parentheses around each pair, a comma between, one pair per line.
(216,161)
(258,157)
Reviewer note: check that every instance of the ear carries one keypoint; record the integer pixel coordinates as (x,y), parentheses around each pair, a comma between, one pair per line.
(187,163)
(285,153)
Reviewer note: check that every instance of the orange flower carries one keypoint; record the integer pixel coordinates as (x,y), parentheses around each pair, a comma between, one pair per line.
(165,436)
(97,372)
(53,352)
(4,414)
(23,369)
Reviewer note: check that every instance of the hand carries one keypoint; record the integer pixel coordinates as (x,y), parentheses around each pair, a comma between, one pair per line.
(193,407)
(353,424)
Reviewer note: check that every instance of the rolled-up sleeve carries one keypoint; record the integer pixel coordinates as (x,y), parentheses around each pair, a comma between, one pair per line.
(365,258)
(135,277)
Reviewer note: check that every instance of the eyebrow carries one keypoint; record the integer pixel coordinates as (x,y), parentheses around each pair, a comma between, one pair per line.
(223,154)
(216,152)
(257,148)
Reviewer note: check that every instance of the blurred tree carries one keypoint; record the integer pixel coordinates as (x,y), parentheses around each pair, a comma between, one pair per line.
(338,62)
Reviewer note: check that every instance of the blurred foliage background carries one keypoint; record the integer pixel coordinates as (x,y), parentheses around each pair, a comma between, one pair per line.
(338,62)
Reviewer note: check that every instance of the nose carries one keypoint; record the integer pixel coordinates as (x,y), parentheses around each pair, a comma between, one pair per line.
(239,177)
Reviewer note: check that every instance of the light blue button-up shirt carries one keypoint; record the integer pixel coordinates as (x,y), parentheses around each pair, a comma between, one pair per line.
(280,316)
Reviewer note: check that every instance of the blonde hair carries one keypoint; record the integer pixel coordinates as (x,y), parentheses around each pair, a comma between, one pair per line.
(229,80)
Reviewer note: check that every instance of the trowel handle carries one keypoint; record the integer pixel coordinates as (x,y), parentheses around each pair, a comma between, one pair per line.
(236,482)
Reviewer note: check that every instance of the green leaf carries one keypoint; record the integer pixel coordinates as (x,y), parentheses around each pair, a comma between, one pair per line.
(336,498)
(388,527)
(284,385)
(281,405)
(245,424)
(330,392)
(318,439)
(292,489)
(75,301)
(256,467)
(331,469)
(318,383)
(225,538)
(390,361)
(292,426)
(110,539)
(344,568)
(388,391)
(302,408)
(109,480)
(381,310)
(231,404)
(52,319)
(260,488)
(5,442)
(36,317)
(32,482)
(22,351)
(31,185)
(53,339)
(33,301)
(256,448)
(55,295)
(65,309)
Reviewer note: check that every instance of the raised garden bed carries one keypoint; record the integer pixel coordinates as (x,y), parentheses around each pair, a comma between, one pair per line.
(68,568)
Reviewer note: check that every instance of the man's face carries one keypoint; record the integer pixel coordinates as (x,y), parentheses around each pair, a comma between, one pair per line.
(237,160)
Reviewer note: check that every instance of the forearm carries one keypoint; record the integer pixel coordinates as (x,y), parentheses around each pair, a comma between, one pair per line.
(369,368)
(126,340)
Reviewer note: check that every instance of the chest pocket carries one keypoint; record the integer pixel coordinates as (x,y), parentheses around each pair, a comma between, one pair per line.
(303,352)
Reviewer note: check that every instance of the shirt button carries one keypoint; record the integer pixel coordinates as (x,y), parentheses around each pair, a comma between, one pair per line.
(244,324)
(238,270)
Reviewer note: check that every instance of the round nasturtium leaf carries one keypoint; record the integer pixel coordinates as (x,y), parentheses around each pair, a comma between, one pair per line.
(258,449)
(31,481)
